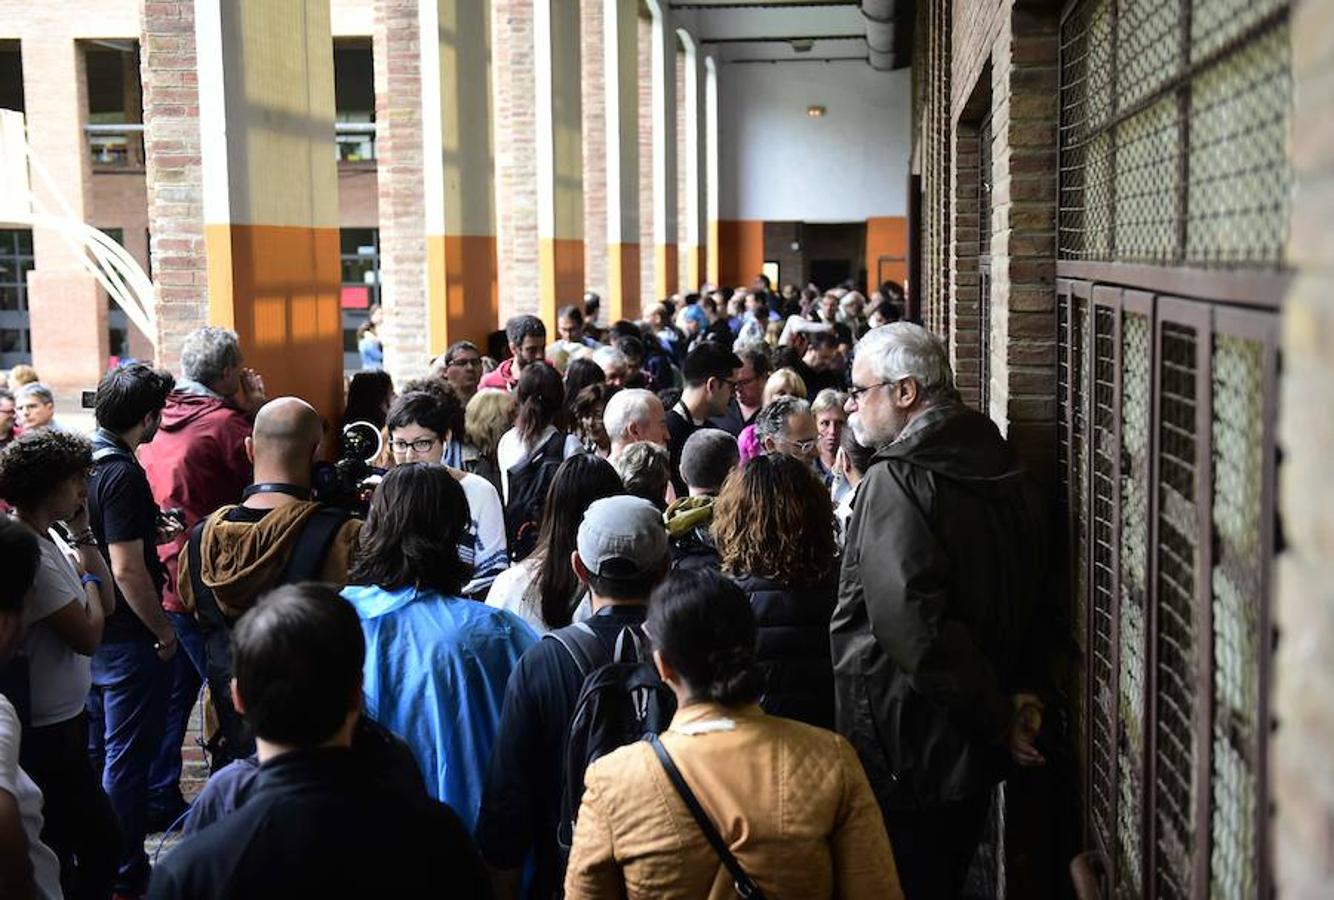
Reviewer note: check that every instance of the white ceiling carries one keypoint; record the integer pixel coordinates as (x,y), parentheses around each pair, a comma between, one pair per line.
(763,30)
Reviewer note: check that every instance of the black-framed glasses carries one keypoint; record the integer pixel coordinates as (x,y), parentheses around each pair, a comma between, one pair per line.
(472,361)
(855,393)
(421,445)
(805,446)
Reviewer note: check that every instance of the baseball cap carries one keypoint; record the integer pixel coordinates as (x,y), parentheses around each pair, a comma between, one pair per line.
(622,537)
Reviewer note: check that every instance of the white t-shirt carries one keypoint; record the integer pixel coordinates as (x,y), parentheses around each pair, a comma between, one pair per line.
(60,677)
(15,782)
(515,590)
(511,451)
(488,554)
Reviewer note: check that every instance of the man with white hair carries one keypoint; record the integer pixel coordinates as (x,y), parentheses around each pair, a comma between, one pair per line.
(936,660)
(632,415)
(613,364)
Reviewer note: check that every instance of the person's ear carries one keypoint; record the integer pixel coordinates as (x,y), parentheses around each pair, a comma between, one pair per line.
(237,703)
(250,449)
(769,444)
(665,671)
(910,392)
(580,570)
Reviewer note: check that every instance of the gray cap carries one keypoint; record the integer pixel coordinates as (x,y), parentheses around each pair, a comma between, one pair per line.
(622,537)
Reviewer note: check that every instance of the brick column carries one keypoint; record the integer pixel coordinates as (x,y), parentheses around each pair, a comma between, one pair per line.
(266,113)
(560,177)
(593,78)
(648,257)
(620,30)
(168,71)
(458,172)
(1303,829)
(695,185)
(663,58)
(967,235)
(516,155)
(710,169)
(1023,261)
(66,307)
(401,198)
(682,178)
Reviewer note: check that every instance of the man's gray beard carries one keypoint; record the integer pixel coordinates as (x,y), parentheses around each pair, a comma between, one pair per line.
(866,440)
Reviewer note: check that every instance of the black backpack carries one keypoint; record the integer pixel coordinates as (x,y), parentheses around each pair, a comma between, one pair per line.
(622,699)
(529,481)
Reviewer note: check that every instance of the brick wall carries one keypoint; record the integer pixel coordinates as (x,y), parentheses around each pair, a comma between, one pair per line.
(965,281)
(516,155)
(402,210)
(1303,830)
(170,81)
(594,81)
(682,180)
(647,238)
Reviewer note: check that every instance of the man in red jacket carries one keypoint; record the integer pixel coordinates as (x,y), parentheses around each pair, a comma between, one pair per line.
(196,464)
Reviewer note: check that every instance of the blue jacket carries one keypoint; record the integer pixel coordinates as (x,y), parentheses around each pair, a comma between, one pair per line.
(435,674)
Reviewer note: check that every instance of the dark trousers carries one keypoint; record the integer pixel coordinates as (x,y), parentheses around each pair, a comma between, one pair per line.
(127,715)
(933,847)
(187,674)
(80,826)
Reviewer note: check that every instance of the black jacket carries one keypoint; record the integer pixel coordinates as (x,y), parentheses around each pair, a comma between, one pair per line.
(792,648)
(315,827)
(944,568)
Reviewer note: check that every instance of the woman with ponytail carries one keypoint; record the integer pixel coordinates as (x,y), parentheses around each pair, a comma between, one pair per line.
(539,418)
(789,801)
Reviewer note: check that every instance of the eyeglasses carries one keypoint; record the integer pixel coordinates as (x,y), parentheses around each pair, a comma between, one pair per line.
(855,393)
(421,445)
(805,446)
(472,361)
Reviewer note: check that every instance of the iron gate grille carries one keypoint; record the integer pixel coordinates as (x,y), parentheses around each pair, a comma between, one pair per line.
(1173,132)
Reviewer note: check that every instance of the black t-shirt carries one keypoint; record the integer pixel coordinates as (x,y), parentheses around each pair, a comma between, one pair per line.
(521,801)
(121,509)
(733,421)
(679,428)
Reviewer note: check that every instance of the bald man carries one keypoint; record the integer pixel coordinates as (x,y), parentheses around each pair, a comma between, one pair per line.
(277,535)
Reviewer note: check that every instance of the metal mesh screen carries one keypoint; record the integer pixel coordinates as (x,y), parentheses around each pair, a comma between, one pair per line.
(1176,756)
(1174,121)
(1102,602)
(1238,467)
(1136,403)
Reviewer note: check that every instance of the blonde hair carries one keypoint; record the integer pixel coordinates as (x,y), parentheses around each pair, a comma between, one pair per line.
(20,375)
(784,379)
(489,414)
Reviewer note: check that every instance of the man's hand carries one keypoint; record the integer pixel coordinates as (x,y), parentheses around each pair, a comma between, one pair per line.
(169,528)
(1023,732)
(251,396)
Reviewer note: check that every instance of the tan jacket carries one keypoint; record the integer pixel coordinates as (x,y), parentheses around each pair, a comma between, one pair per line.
(791,800)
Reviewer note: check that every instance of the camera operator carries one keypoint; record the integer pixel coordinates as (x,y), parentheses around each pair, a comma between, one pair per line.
(277,535)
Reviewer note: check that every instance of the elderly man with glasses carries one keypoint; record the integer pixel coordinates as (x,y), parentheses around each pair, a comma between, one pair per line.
(461,366)
(787,426)
(938,653)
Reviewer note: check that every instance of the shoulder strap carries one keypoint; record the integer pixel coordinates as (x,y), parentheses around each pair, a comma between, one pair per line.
(205,607)
(312,545)
(744,884)
(583,645)
(109,452)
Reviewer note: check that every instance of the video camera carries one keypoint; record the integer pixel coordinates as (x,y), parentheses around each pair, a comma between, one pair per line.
(350,481)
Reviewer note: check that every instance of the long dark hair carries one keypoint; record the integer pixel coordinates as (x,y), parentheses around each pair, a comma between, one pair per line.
(579,481)
(368,398)
(579,374)
(702,624)
(418,517)
(541,398)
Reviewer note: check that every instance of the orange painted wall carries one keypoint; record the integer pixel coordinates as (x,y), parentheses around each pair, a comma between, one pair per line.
(623,282)
(668,262)
(561,263)
(886,236)
(464,297)
(278,287)
(740,251)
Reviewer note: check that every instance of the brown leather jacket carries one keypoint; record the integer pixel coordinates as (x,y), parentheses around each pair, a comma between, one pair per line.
(791,800)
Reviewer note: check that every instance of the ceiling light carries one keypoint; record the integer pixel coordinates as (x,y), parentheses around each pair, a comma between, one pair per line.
(801,45)
(815,112)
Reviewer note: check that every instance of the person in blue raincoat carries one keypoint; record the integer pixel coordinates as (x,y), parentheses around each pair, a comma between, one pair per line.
(436,663)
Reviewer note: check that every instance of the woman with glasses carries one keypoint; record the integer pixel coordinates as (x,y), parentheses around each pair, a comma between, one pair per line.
(44,477)
(420,426)
(790,803)
(773,525)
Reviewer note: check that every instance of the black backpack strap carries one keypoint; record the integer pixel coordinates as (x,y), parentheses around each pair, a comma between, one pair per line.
(307,560)
(109,452)
(583,645)
(744,884)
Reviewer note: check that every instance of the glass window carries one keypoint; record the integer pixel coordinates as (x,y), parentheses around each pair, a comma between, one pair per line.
(15,263)
(361,286)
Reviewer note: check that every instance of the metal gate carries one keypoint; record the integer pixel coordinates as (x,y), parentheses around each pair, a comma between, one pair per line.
(1174,187)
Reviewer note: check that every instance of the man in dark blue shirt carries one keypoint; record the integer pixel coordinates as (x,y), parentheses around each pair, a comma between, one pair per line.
(315,824)
(521,804)
(127,705)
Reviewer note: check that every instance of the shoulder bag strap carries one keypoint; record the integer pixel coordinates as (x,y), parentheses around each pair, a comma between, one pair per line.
(582,644)
(744,884)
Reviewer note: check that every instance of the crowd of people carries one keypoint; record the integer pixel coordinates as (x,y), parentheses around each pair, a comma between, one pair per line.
(738,598)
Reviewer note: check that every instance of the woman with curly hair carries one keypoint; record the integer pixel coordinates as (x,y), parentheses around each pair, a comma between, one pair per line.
(773,524)
(44,477)
(436,663)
